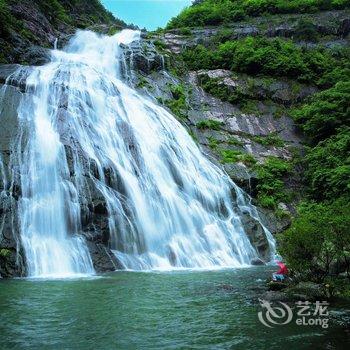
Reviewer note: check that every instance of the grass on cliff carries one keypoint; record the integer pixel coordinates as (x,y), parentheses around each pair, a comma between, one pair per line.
(213,12)
(209,124)
(178,103)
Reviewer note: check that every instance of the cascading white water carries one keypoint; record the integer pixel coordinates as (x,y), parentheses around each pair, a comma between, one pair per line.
(168,205)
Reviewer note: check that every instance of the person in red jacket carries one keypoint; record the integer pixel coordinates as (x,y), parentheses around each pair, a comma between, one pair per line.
(281,274)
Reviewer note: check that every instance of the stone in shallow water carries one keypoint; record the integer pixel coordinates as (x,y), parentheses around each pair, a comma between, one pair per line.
(257,262)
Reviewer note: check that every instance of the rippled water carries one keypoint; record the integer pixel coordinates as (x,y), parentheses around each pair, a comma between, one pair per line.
(149,310)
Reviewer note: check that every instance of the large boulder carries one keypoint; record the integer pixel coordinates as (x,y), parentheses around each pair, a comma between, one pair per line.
(103,258)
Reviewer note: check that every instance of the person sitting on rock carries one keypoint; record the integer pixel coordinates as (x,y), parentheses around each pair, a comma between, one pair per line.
(281,274)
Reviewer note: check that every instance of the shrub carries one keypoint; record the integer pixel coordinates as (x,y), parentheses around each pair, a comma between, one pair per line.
(185,31)
(178,104)
(318,238)
(221,91)
(328,167)
(271,188)
(160,44)
(209,124)
(269,140)
(234,156)
(327,111)
(271,57)
(306,30)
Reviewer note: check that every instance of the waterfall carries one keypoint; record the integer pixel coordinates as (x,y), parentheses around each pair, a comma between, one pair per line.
(168,205)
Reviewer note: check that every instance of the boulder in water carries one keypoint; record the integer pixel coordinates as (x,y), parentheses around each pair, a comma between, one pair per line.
(257,262)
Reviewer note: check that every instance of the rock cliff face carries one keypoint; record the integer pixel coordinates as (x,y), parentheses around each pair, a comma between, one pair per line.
(233,135)
(28,28)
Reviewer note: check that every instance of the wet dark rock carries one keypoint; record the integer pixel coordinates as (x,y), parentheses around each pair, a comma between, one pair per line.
(344,28)
(272,223)
(307,291)
(8,113)
(36,55)
(15,75)
(103,258)
(276,286)
(274,296)
(12,262)
(256,235)
(256,262)
(144,57)
(242,176)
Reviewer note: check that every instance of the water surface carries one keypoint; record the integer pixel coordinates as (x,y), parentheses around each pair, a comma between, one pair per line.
(144,310)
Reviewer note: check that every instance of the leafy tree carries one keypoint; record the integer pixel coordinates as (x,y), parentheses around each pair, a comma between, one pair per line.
(327,111)
(317,239)
(328,167)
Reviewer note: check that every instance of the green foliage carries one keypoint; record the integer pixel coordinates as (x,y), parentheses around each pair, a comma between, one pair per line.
(271,57)
(143,82)
(209,124)
(178,104)
(213,12)
(327,111)
(213,142)
(271,188)
(234,156)
(328,167)
(4,253)
(269,140)
(306,30)
(185,31)
(55,10)
(223,35)
(160,44)
(221,91)
(318,237)
(9,23)
(113,30)
(234,142)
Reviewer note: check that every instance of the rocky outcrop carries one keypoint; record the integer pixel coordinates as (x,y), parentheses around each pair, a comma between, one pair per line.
(143,57)
(94,229)
(257,237)
(12,262)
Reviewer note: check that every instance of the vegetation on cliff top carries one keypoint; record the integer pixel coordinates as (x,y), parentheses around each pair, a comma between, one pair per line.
(214,12)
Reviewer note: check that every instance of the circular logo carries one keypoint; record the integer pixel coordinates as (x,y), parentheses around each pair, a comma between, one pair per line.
(274,315)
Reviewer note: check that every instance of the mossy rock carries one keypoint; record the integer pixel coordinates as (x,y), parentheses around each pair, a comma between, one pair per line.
(307,291)
(276,286)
